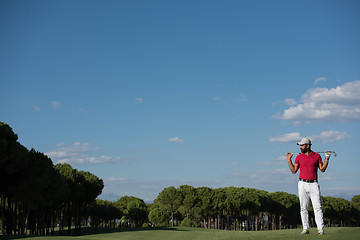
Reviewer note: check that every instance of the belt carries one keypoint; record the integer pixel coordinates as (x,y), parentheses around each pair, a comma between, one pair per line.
(308,181)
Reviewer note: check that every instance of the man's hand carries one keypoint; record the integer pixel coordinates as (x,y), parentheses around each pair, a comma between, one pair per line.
(289,156)
(324,165)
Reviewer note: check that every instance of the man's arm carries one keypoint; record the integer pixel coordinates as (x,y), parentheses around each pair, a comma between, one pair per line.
(323,166)
(293,168)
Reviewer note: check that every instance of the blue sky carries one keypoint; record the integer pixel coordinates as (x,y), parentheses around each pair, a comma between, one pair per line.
(152,94)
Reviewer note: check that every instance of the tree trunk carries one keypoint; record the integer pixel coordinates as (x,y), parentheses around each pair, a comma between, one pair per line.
(26,221)
(280,220)
(75,210)
(9,217)
(247,227)
(172,217)
(48,222)
(62,220)
(256,222)
(78,228)
(15,221)
(69,218)
(2,214)
(273,222)
(254,227)
(53,222)
(228,222)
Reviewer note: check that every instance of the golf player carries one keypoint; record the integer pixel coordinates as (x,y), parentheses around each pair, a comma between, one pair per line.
(309,162)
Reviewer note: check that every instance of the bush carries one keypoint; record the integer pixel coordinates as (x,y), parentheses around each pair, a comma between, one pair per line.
(145,225)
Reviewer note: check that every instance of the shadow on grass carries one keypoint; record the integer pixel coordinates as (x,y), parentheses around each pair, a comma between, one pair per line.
(91,230)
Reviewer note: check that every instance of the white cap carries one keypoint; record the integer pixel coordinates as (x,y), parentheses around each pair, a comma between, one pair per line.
(304,141)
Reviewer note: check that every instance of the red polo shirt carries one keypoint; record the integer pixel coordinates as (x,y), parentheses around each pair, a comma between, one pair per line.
(308,165)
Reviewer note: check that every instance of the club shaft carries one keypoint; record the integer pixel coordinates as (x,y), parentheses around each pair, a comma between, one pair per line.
(316,152)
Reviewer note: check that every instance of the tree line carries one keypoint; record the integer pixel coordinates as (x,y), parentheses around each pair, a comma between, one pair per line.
(244,209)
(229,208)
(35,195)
(39,198)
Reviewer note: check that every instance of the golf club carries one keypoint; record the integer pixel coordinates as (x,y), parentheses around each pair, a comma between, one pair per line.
(317,152)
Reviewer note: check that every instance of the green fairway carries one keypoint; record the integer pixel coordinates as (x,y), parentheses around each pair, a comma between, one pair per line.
(203,234)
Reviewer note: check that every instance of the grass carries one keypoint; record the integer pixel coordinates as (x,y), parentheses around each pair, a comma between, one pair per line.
(180,233)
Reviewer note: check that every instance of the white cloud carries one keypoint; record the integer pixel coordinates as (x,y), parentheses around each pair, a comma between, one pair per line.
(55,104)
(58,154)
(290,101)
(340,104)
(288,137)
(330,136)
(320,79)
(325,137)
(80,147)
(176,140)
(78,153)
(287,101)
(277,162)
(83,159)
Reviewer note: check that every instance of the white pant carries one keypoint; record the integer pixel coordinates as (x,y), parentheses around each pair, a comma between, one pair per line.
(305,191)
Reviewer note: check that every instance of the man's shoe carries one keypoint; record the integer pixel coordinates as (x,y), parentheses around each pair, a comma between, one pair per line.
(321,232)
(305,231)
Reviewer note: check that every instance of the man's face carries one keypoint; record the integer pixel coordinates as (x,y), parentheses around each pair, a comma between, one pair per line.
(304,148)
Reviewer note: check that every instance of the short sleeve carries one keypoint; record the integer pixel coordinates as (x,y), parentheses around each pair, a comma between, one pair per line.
(320,160)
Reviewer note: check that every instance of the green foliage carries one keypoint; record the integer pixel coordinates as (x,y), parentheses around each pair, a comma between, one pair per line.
(170,200)
(158,216)
(134,210)
(187,223)
(103,213)
(189,200)
(13,160)
(238,208)
(337,210)
(285,205)
(33,191)
(355,202)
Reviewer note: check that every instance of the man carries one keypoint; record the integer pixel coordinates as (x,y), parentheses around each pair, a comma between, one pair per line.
(309,162)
